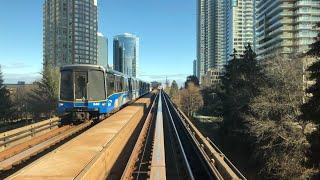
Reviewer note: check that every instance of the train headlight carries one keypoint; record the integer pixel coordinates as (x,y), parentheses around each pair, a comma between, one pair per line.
(96,104)
(61,104)
(103,104)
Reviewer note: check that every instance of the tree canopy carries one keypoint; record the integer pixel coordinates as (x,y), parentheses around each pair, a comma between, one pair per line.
(311,109)
(240,84)
(44,97)
(192,79)
(5,102)
(190,99)
(173,89)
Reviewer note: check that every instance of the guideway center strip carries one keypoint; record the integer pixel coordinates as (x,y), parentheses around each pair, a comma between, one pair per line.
(158,165)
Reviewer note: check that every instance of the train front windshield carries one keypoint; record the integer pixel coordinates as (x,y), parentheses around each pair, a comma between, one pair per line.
(82,85)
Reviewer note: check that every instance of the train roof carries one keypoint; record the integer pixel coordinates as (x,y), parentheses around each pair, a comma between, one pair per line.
(91,66)
(81,66)
(109,70)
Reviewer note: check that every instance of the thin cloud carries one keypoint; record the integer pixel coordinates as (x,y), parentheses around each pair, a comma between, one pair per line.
(164,76)
(15,65)
(12,78)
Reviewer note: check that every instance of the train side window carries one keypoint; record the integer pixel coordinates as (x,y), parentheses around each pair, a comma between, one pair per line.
(96,85)
(126,84)
(130,80)
(111,84)
(138,85)
(121,83)
(118,84)
(116,87)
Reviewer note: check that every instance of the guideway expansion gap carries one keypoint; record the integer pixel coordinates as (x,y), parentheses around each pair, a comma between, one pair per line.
(158,165)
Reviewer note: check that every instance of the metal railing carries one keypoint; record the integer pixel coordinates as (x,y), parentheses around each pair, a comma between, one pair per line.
(217,159)
(16,136)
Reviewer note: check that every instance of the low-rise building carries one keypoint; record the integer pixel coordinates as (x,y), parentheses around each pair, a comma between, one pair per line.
(20,86)
(212,77)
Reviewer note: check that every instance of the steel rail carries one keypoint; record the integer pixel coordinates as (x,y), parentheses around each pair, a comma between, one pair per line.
(185,159)
(197,145)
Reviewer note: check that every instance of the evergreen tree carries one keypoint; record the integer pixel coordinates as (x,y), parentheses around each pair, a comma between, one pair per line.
(173,89)
(240,84)
(311,109)
(193,79)
(44,97)
(212,101)
(5,102)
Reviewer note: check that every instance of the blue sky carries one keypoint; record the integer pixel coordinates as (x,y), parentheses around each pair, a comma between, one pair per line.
(167,31)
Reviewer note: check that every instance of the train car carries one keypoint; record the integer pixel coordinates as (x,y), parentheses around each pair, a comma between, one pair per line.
(90,91)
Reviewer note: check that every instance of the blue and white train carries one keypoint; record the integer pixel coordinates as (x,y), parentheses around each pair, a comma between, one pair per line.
(90,91)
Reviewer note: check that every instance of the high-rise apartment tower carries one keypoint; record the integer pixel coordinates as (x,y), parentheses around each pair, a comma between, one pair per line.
(240,25)
(211,35)
(285,27)
(70,32)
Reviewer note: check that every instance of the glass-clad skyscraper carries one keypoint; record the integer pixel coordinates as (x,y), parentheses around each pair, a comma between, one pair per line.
(126,54)
(70,32)
(102,59)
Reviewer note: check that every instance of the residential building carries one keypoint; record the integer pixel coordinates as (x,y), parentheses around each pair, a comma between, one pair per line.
(212,77)
(211,35)
(240,25)
(102,58)
(126,54)
(285,27)
(70,32)
(21,85)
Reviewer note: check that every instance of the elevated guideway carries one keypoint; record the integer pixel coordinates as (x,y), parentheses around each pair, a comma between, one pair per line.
(148,139)
(92,154)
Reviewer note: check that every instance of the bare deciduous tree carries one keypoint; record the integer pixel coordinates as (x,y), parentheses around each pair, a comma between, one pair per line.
(278,139)
(190,99)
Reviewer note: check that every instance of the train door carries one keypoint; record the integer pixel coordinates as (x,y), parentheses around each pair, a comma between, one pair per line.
(81,82)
